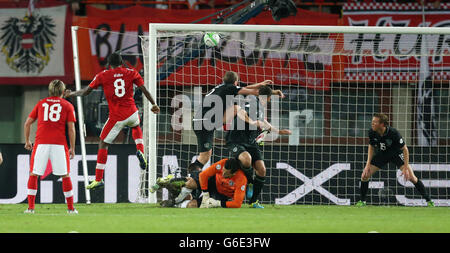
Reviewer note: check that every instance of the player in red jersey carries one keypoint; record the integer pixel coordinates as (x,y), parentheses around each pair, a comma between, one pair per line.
(117,84)
(52,114)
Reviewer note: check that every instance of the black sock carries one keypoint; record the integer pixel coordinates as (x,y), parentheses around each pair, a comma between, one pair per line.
(257,187)
(363,190)
(248,174)
(421,188)
(197,162)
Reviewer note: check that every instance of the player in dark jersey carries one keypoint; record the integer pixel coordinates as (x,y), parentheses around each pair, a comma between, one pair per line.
(204,121)
(242,143)
(387,145)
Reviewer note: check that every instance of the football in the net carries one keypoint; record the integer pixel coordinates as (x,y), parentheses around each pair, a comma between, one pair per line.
(211,39)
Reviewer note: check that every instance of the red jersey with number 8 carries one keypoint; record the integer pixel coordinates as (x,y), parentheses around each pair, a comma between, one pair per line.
(117,85)
(52,114)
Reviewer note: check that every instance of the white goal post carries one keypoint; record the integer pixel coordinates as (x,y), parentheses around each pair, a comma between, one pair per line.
(331,135)
(81,124)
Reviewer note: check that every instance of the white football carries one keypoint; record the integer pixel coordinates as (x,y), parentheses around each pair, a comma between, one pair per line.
(211,39)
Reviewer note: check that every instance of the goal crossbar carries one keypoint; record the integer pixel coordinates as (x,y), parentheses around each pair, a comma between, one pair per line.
(300,29)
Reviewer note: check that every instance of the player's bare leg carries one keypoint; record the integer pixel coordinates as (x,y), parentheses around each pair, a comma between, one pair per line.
(408,173)
(260,178)
(204,157)
(32,190)
(136,133)
(68,194)
(365,176)
(102,157)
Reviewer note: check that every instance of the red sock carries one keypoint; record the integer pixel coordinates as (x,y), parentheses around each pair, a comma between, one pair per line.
(136,132)
(102,156)
(32,190)
(68,193)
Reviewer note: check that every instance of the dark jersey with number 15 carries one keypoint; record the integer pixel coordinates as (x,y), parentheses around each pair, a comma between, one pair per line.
(390,142)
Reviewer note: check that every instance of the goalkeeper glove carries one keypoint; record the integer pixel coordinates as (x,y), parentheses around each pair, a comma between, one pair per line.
(205,197)
(212,203)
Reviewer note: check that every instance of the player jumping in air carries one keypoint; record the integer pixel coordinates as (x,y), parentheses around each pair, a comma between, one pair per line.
(387,145)
(117,84)
(242,143)
(229,88)
(52,114)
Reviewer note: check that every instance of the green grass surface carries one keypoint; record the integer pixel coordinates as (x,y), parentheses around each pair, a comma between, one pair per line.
(146,218)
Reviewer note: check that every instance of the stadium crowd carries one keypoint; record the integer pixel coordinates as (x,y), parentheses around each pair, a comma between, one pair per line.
(331,6)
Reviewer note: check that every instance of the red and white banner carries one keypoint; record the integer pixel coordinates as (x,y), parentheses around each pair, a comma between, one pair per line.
(253,66)
(35,49)
(366,54)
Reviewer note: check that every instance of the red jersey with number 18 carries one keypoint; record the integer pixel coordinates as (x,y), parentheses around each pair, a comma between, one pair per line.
(117,85)
(52,114)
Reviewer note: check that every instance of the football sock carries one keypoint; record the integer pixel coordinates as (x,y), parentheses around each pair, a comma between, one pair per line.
(363,190)
(68,193)
(421,188)
(257,187)
(32,190)
(248,174)
(184,192)
(102,157)
(136,133)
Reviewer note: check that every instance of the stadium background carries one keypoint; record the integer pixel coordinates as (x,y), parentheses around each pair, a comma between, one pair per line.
(19,94)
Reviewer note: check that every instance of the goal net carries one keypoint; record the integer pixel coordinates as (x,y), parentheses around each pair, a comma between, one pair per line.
(334,79)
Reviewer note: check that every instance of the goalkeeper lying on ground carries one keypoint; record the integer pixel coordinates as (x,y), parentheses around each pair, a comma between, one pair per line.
(222,184)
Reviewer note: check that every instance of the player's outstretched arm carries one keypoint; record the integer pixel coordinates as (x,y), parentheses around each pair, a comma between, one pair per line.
(276,130)
(243,115)
(246,91)
(83,92)
(258,85)
(406,172)
(155,108)
(27,129)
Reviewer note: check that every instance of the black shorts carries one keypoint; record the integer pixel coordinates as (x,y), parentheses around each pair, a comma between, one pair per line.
(213,193)
(236,149)
(380,159)
(205,139)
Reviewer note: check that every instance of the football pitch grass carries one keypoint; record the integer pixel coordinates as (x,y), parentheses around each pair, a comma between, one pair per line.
(146,218)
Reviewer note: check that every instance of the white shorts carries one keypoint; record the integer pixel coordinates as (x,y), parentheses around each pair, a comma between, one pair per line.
(58,156)
(112,128)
